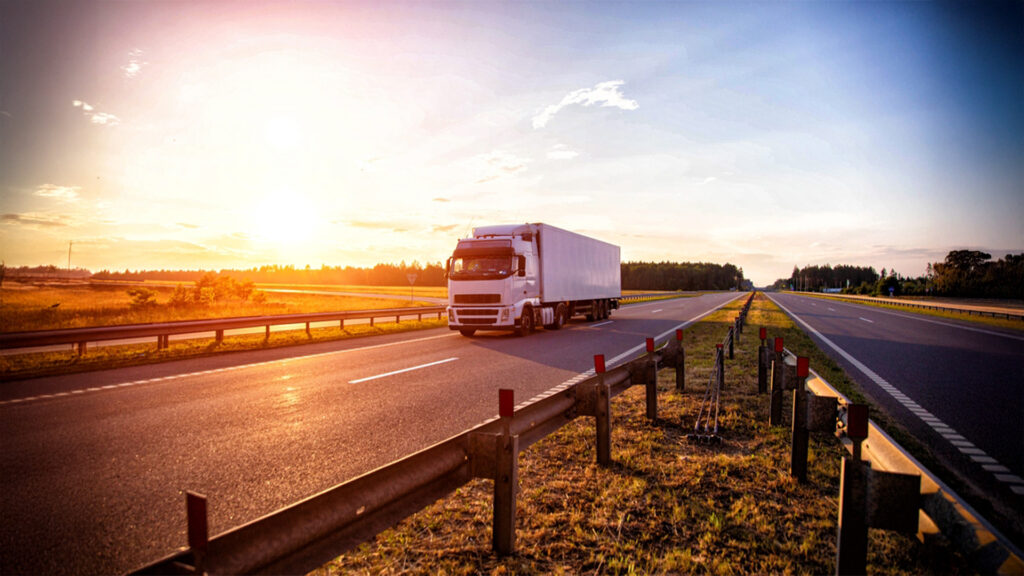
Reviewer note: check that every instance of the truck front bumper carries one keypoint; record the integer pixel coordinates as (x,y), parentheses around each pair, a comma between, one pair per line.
(482,317)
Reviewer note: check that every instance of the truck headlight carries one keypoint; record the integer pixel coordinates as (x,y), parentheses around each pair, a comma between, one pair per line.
(504,313)
(451,315)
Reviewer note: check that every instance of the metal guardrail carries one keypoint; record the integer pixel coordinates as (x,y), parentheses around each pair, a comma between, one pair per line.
(938,509)
(162,331)
(937,307)
(305,535)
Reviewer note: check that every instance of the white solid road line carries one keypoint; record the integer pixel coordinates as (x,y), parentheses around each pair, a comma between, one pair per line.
(601,324)
(656,311)
(959,442)
(403,370)
(920,318)
(866,320)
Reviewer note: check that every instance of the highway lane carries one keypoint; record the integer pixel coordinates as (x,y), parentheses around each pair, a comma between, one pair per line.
(957,387)
(94,466)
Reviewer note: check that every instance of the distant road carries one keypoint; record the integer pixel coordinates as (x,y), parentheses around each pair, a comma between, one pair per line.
(94,466)
(957,386)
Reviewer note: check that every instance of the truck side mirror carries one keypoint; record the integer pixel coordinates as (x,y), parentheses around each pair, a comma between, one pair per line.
(447,267)
(521,266)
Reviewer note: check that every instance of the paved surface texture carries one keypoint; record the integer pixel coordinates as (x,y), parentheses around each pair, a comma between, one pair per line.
(958,387)
(94,466)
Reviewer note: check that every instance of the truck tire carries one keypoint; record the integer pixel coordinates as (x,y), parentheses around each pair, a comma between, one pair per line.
(467,332)
(559,321)
(592,314)
(525,322)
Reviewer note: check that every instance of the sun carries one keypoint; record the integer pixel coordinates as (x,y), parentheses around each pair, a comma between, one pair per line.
(284,219)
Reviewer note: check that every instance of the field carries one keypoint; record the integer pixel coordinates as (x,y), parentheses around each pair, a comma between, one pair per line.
(49,307)
(665,506)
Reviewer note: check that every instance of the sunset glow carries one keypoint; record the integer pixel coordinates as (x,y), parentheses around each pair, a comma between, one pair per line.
(768,135)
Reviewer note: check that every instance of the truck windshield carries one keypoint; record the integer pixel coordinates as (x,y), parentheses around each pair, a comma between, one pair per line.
(481,267)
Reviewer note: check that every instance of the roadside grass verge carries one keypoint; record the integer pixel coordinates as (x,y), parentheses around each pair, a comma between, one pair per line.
(666,505)
(23,366)
(1017,325)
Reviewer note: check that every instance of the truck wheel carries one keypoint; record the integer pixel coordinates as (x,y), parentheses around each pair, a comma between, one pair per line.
(605,311)
(467,332)
(559,319)
(525,322)
(593,313)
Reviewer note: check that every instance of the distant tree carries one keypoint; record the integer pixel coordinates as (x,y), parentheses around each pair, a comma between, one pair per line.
(141,297)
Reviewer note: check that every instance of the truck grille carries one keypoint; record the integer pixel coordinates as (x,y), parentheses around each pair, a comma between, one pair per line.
(477,298)
(477,312)
(477,321)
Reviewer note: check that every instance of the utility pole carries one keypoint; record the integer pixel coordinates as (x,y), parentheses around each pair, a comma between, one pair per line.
(70,242)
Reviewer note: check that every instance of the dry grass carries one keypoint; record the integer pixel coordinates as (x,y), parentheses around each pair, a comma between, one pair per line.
(665,506)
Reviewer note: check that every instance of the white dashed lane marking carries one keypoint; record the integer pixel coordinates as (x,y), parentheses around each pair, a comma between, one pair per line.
(207,372)
(976,454)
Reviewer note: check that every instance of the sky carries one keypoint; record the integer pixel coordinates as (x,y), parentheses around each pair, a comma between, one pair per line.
(188,135)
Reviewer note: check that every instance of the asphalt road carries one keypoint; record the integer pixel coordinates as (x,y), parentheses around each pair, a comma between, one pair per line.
(93,467)
(958,387)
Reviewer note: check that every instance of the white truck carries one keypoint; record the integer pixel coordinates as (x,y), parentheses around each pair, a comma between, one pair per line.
(519,276)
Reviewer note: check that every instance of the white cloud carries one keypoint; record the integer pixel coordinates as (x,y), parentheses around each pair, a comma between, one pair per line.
(104,118)
(134,65)
(66,193)
(36,220)
(606,94)
(497,164)
(561,152)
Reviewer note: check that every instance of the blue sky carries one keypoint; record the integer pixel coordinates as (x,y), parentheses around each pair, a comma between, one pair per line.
(765,134)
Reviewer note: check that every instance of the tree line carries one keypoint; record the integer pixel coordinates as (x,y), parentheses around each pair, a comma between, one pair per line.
(682,276)
(379,275)
(964,273)
(635,275)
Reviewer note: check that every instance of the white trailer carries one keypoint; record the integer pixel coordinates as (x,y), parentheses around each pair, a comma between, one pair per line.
(519,276)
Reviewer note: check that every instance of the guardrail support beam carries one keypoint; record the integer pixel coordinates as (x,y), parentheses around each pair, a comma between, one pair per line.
(799,435)
(776,386)
(602,412)
(198,529)
(852,535)
(506,480)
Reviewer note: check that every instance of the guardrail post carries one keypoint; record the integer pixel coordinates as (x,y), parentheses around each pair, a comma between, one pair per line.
(341,324)
(852,532)
(777,384)
(651,381)
(506,478)
(731,337)
(680,363)
(720,361)
(799,436)
(762,363)
(737,329)
(81,347)
(603,414)
(266,333)
(857,426)
(219,336)
(371,321)
(198,529)
(308,334)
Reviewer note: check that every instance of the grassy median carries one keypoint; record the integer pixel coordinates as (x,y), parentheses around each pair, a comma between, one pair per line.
(666,505)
